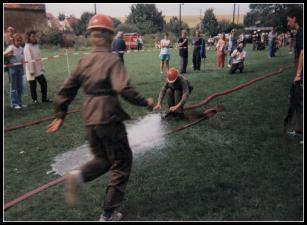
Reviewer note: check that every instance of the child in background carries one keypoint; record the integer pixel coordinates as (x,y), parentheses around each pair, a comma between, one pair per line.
(15,54)
(35,70)
(164,53)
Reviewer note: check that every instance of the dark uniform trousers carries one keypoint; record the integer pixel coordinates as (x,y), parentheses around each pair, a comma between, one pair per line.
(173,98)
(196,59)
(109,144)
(43,83)
(236,66)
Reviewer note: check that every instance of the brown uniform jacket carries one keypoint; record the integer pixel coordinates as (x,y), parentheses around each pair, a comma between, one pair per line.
(102,76)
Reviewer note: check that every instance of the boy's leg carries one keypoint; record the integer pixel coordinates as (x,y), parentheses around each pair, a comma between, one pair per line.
(32,84)
(100,164)
(241,66)
(89,171)
(13,86)
(181,64)
(43,83)
(19,85)
(185,63)
(167,64)
(120,154)
(161,66)
(178,97)
(233,68)
(194,60)
(170,97)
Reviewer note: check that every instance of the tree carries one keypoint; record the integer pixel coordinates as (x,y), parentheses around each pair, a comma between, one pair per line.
(116,22)
(146,17)
(272,15)
(80,27)
(173,25)
(127,28)
(61,16)
(209,23)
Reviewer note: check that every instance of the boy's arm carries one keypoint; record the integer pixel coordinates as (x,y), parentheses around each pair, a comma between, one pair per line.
(300,66)
(121,85)
(162,94)
(185,92)
(67,93)
(28,57)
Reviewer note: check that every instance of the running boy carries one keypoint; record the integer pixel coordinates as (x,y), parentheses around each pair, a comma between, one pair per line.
(103,77)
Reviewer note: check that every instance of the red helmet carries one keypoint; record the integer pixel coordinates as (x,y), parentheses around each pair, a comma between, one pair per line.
(172,75)
(102,22)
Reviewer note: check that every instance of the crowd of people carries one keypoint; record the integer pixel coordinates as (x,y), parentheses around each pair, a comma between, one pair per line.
(20,48)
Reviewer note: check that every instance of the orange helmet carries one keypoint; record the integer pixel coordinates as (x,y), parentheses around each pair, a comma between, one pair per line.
(172,75)
(102,22)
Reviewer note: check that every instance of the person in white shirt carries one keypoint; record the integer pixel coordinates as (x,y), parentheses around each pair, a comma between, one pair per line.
(34,70)
(164,53)
(238,57)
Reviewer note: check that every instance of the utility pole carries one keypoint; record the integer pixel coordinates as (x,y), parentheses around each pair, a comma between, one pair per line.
(200,24)
(234,12)
(180,17)
(95,8)
(238,14)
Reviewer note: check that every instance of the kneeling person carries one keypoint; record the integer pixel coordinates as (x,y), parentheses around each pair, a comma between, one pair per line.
(238,57)
(178,90)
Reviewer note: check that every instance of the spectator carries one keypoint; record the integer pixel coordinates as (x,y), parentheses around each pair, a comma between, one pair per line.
(295,22)
(15,54)
(272,39)
(8,40)
(35,70)
(119,45)
(203,51)
(157,44)
(139,43)
(183,51)
(254,39)
(290,46)
(220,46)
(232,44)
(238,56)
(164,53)
(8,37)
(197,43)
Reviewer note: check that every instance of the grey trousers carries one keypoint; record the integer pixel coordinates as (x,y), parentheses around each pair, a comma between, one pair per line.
(183,64)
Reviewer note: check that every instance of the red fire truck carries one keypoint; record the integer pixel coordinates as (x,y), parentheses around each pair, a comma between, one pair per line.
(131,40)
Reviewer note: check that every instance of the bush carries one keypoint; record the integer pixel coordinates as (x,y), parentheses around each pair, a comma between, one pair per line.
(81,42)
(127,28)
(50,36)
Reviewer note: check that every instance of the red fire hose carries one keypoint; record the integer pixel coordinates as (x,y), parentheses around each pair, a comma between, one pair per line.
(206,115)
(246,84)
(194,106)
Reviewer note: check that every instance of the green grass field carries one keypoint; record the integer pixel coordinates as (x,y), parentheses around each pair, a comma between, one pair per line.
(236,166)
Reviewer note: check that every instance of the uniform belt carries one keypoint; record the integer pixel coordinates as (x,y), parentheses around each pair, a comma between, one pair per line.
(101,93)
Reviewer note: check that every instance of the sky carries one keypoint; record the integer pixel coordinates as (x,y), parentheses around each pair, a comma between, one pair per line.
(123,9)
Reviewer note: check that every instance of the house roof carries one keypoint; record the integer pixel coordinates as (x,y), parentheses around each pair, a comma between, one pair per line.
(25,6)
(72,20)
